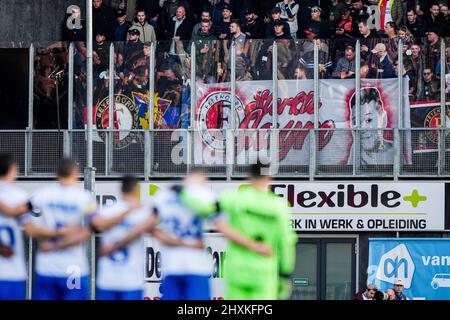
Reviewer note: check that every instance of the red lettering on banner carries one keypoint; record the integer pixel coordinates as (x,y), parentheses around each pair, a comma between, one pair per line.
(302,103)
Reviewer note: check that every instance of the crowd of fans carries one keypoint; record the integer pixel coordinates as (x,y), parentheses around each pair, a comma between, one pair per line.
(254,25)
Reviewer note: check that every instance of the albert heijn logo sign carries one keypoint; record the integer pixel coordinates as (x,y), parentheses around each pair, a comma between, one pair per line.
(396,264)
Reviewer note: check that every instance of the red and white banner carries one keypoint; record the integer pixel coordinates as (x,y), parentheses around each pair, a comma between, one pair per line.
(295,108)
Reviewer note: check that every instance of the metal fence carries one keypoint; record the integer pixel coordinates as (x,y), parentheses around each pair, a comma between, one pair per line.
(150,151)
(296,153)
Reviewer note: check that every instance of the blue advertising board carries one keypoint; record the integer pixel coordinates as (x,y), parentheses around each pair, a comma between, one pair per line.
(423,265)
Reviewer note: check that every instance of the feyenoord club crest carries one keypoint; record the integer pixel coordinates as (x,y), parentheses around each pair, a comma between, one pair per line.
(433,120)
(124,111)
(215,114)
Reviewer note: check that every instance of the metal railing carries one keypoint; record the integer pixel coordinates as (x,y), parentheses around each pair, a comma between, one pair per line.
(155,152)
(302,153)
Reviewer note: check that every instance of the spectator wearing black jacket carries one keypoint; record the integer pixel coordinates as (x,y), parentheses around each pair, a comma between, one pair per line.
(103,19)
(132,48)
(253,27)
(122,26)
(303,15)
(216,9)
(265,7)
(434,18)
(336,10)
(168,11)
(446,16)
(179,29)
(279,32)
(275,17)
(414,25)
(323,25)
(367,38)
(359,13)
(222,29)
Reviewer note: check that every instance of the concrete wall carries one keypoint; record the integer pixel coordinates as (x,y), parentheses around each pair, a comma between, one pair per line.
(37,20)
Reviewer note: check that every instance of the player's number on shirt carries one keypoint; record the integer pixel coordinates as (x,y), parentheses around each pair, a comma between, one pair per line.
(7,236)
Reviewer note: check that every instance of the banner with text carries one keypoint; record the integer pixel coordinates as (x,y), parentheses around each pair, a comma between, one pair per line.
(295,116)
(423,265)
(334,206)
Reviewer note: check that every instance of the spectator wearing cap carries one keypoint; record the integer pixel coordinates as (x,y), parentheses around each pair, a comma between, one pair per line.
(179,30)
(344,24)
(414,25)
(366,294)
(122,26)
(343,29)
(132,48)
(432,51)
(345,67)
(222,29)
(359,13)
(381,68)
(337,8)
(216,8)
(275,15)
(205,48)
(205,16)
(146,31)
(303,15)
(289,10)
(103,19)
(101,47)
(253,27)
(312,32)
(279,31)
(398,288)
(323,25)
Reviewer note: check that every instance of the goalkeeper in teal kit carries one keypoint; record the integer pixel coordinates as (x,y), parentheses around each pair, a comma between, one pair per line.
(258,266)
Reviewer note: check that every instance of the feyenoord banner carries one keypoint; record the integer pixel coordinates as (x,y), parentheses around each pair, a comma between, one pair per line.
(427,114)
(295,110)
